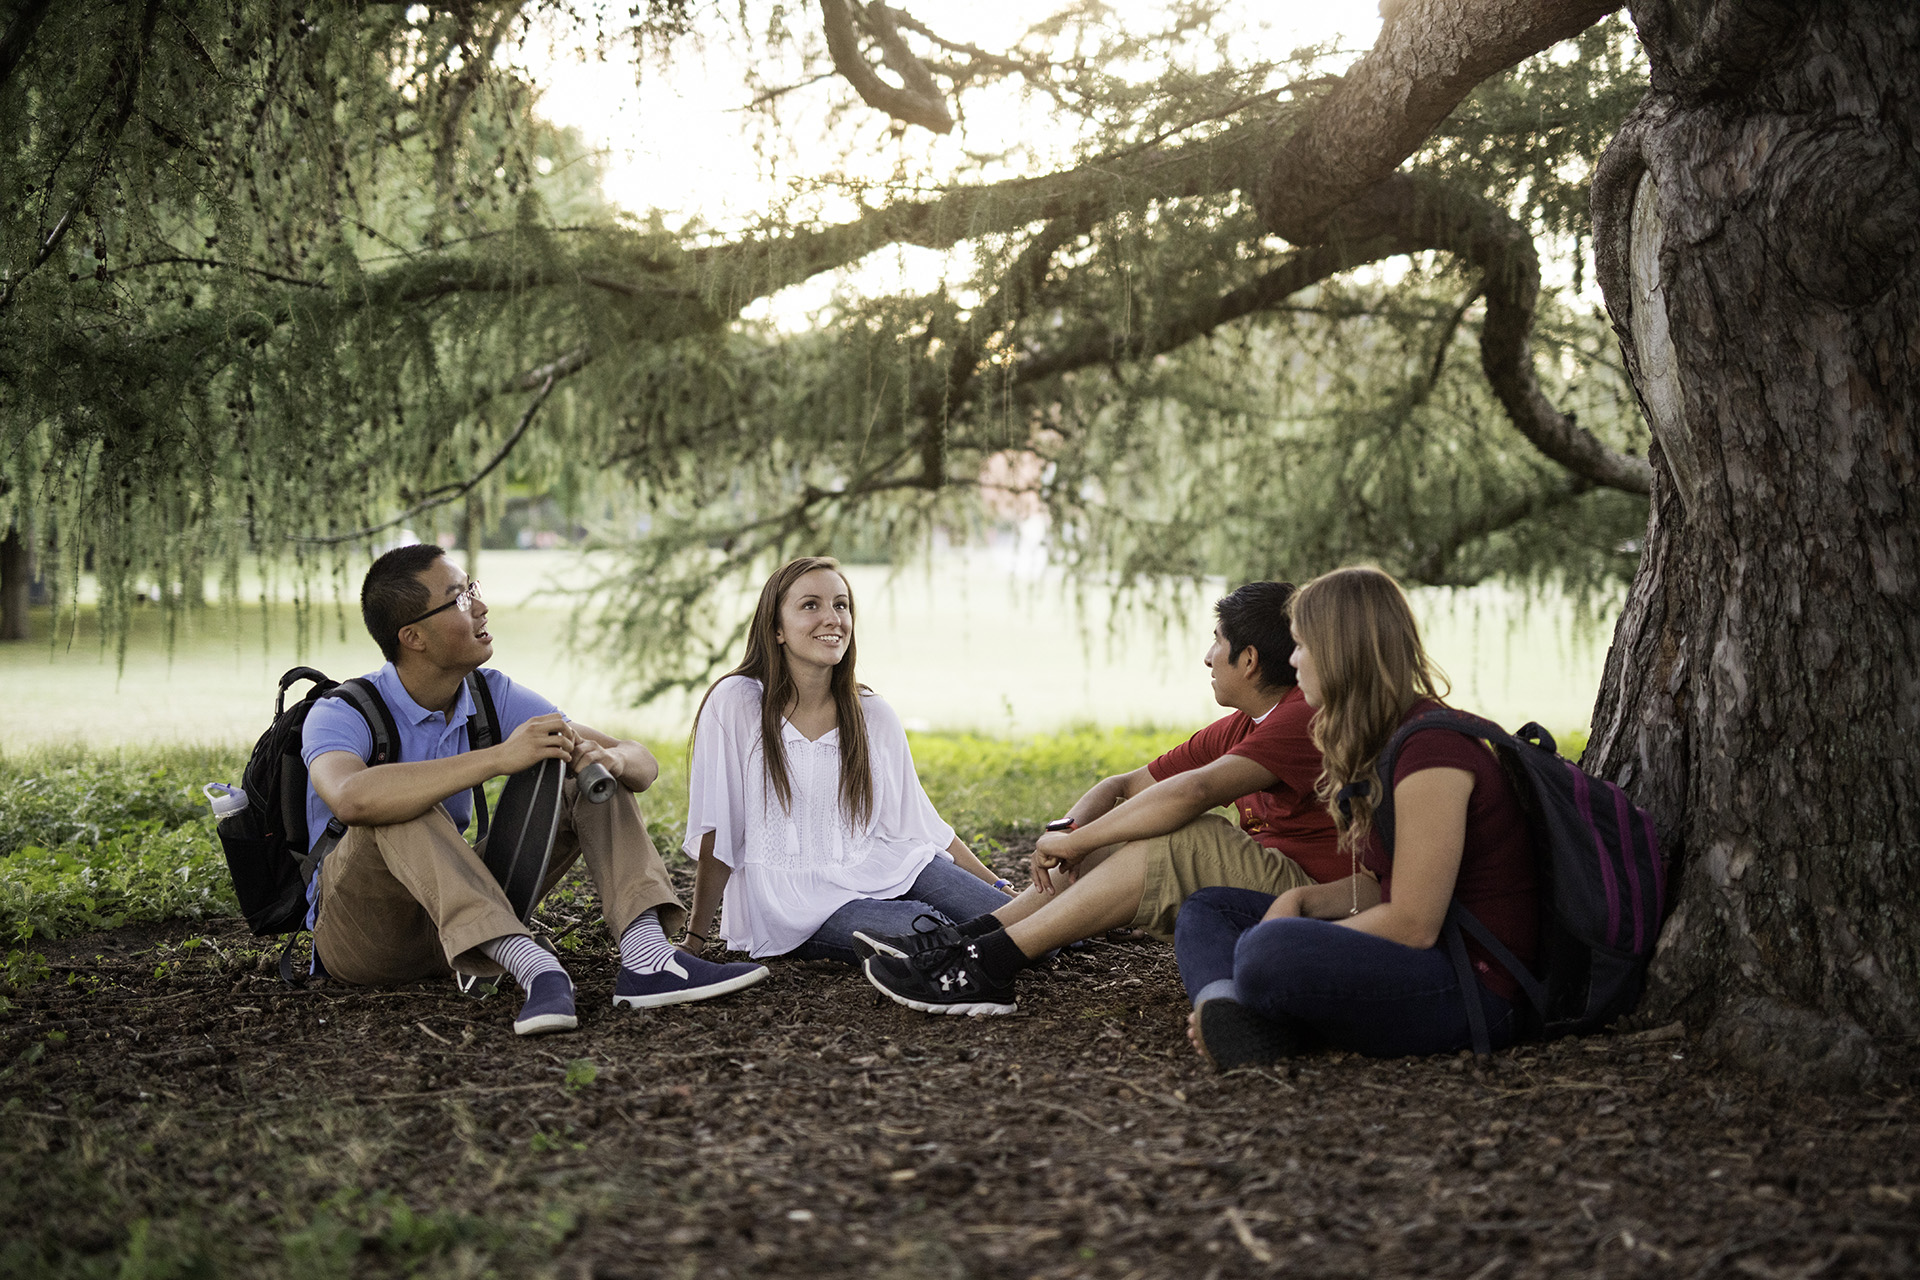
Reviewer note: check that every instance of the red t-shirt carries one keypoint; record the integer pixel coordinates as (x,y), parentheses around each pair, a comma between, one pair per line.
(1287,816)
(1497,879)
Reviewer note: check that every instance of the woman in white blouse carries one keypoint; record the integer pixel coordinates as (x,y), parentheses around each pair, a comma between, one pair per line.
(805,813)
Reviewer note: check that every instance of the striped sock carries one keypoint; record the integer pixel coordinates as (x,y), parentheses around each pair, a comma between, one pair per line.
(522,957)
(644,947)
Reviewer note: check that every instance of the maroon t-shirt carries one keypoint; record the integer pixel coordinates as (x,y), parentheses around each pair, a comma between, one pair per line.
(1286,816)
(1497,881)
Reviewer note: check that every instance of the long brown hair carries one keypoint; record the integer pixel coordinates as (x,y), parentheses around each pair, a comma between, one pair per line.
(766,661)
(1358,627)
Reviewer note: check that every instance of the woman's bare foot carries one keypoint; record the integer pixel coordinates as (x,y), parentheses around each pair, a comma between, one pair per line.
(1194,1038)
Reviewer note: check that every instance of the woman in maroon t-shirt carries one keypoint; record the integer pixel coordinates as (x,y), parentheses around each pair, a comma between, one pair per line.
(1355,963)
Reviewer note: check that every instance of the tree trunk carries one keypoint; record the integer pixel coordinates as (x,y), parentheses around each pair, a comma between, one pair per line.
(16,580)
(1756,222)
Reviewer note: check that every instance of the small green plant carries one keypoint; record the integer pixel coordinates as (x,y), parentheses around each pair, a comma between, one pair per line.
(152,1256)
(580,1073)
(543,1143)
(351,1222)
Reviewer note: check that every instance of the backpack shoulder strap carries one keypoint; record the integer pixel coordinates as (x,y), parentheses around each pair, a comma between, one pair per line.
(360,693)
(1462,722)
(483,731)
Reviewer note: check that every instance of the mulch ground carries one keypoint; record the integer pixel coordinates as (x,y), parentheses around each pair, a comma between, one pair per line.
(174,1105)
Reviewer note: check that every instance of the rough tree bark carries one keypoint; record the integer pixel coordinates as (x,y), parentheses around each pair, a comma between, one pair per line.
(1756,223)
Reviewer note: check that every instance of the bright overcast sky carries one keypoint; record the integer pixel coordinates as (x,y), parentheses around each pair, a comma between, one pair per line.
(678,142)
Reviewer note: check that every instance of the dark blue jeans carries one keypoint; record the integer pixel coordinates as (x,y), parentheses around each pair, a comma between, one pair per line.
(942,890)
(1339,986)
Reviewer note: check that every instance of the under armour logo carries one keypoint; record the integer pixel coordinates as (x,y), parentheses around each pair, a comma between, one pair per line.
(949,980)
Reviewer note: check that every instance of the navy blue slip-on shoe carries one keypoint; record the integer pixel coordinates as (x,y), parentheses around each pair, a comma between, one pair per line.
(549,1006)
(686,978)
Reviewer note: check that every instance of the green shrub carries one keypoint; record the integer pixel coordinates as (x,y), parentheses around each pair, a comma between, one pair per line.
(148,872)
(95,841)
(55,798)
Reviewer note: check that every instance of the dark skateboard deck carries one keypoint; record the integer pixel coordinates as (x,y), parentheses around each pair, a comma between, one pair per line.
(520,841)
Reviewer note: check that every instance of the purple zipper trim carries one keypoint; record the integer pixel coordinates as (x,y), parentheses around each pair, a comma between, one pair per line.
(1659,865)
(1584,799)
(1623,824)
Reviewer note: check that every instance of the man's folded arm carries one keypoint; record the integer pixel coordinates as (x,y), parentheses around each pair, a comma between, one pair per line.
(1103,795)
(362,796)
(1172,803)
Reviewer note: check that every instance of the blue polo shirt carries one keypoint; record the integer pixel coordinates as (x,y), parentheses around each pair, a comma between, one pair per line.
(334,725)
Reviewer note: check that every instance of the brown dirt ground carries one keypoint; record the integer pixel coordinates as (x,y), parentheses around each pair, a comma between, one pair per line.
(174,1110)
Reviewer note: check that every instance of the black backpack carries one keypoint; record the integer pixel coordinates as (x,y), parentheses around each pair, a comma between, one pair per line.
(1603,885)
(266,842)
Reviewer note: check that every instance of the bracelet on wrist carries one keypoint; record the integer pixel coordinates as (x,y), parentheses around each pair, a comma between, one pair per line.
(1003,883)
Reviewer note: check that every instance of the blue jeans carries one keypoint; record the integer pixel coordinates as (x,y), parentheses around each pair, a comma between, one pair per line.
(942,890)
(1339,986)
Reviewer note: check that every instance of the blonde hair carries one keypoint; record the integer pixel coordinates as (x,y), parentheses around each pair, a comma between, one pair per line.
(766,661)
(1371,668)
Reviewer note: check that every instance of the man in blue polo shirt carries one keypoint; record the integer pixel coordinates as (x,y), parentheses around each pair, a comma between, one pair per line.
(403,896)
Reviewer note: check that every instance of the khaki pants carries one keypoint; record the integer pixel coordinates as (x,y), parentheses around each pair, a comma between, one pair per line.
(1208,852)
(414,900)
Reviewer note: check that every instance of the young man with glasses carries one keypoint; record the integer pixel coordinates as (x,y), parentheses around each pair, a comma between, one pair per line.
(403,896)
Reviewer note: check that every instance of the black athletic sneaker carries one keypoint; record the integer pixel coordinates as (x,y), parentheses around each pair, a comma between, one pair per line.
(928,931)
(943,979)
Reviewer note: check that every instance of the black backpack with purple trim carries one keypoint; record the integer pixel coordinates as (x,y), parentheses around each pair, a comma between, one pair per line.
(266,846)
(1603,885)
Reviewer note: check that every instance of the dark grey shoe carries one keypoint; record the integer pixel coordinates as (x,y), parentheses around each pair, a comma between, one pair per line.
(1232,1035)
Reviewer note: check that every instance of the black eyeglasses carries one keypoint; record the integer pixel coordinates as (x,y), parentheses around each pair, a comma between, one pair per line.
(463,602)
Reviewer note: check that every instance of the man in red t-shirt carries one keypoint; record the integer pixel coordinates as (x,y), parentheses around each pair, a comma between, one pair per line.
(1142,841)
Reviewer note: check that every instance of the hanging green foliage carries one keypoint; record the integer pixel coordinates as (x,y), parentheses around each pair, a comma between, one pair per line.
(278,282)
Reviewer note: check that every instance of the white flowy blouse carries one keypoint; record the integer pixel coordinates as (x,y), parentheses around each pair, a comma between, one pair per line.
(791,870)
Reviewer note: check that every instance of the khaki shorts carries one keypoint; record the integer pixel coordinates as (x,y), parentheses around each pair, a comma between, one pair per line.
(1207,852)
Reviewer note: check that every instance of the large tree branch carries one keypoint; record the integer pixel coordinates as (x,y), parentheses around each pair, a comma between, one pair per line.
(1473,228)
(1300,270)
(993,317)
(742,271)
(1430,55)
(1434,567)
(1404,215)
(917,99)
